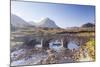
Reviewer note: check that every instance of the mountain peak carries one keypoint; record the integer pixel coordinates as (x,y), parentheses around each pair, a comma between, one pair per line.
(88,25)
(46,18)
(47,22)
(16,21)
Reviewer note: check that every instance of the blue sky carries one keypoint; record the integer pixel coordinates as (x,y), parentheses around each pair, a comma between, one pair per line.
(64,15)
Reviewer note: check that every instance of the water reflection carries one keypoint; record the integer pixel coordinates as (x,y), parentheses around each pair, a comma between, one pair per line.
(56,45)
(36,57)
(72,45)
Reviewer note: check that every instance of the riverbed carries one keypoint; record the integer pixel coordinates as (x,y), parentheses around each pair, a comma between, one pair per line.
(35,55)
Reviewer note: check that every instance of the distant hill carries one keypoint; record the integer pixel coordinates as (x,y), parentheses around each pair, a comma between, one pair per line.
(18,22)
(88,25)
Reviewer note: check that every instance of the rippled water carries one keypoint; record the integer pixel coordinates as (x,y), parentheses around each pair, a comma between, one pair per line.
(35,58)
(30,61)
(72,45)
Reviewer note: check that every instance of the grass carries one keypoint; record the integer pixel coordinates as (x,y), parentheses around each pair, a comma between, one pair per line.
(90,45)
(90,51)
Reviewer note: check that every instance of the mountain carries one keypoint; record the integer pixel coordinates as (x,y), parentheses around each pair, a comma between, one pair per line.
(18,22)
(32,23)
(88,25)
(13,28)
(46,22)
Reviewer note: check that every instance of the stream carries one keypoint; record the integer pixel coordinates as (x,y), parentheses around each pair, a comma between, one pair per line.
(36,57)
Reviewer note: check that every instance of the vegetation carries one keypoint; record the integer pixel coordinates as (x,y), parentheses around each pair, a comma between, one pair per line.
(90,45)
(86,52)
(64,55)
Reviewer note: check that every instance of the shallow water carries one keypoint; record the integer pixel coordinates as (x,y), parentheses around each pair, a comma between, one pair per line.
(35,58)
(72,45)
(55,47)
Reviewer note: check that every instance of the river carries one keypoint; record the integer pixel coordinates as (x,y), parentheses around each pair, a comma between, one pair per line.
(36,57)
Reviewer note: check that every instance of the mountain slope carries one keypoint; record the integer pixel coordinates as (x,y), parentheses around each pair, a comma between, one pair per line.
(47,23)
(88,25)
(18,22)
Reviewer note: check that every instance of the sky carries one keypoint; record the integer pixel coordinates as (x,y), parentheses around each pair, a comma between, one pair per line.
(64,15)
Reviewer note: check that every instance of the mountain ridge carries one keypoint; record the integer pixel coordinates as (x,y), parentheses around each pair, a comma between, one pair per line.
(16,21)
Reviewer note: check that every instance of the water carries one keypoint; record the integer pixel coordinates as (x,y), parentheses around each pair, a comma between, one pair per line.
(35,58)
(56,45)
(72,45)
(38,46)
